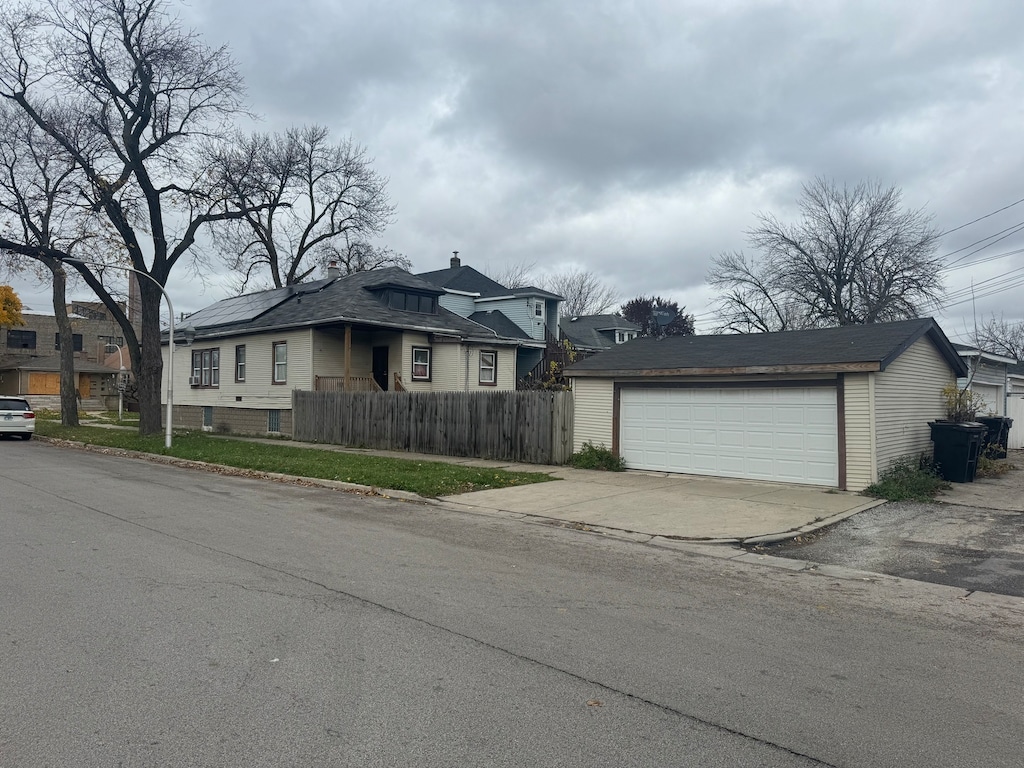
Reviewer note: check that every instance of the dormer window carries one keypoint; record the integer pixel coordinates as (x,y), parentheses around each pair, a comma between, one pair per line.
(407,301)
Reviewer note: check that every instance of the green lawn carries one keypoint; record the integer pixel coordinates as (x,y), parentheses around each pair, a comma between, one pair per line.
(427,478)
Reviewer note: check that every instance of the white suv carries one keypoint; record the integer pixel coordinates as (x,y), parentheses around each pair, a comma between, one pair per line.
(16,417)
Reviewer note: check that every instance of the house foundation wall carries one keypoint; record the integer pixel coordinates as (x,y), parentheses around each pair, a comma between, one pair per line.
(226,421)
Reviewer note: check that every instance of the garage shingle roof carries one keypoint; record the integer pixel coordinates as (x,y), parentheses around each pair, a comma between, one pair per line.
(848,348)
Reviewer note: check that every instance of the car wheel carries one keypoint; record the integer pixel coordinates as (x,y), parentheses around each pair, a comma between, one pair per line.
(27,436)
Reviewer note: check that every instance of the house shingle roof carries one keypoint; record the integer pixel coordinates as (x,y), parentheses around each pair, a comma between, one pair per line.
(585,331)
(469,280)
(498,322)
(853,347)
(348,299)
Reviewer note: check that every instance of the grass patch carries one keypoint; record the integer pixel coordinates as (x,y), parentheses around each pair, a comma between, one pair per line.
(593,456)
(427,478)
(908,480)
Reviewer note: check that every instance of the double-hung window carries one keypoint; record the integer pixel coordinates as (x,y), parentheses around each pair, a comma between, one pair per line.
(206,367)
(280,362)
(240,362)
(421,363)
(489,368)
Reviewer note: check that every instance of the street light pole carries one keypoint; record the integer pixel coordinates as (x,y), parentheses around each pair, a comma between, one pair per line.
(170,354)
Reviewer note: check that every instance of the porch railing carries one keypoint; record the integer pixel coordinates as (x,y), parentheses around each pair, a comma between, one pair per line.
(337,384)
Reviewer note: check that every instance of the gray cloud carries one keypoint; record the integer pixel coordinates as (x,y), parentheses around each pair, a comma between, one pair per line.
(639,139)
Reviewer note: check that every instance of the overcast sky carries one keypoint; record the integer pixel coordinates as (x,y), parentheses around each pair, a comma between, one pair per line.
(639,139)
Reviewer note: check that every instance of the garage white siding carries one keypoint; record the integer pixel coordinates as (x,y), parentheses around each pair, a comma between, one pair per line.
(908,394)
(785,434)
(592,399)
(858,392)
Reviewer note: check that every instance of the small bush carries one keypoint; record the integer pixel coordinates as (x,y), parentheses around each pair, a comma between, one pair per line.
(593,456)
(908,480)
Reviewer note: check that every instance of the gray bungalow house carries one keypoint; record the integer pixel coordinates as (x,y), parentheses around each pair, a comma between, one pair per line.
(382,330)
(832,407)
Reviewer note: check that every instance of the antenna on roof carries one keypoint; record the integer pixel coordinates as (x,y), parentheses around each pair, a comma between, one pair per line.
(661,318)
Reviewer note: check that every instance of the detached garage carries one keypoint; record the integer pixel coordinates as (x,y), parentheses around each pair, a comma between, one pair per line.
(831,407)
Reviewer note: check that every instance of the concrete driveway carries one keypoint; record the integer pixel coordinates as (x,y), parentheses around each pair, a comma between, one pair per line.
(677,506)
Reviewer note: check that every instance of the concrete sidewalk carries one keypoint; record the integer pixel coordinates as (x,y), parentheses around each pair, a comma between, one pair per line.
(685,507)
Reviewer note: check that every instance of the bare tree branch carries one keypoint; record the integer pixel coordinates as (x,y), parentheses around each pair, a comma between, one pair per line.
(307,201)
(584,292)
(855,256)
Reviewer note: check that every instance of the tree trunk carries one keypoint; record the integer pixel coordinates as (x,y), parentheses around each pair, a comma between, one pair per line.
(150,367)
(68,386)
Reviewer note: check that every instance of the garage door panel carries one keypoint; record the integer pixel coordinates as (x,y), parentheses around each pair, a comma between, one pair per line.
(786,434)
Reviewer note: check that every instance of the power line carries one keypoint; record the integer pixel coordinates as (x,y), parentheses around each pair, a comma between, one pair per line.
(980,218)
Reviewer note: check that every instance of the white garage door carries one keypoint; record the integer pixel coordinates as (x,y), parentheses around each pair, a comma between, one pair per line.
(786,434)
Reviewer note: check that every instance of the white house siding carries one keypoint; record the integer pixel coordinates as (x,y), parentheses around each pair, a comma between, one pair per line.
(329,354)
(593,400)
(860,430)
(908,394)
(989,382)
(520,311)
(454,367)
(257,391)
(463,306)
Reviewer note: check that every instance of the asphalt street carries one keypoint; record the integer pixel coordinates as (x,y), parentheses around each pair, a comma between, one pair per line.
(968,547)
(971,536)
(154,615)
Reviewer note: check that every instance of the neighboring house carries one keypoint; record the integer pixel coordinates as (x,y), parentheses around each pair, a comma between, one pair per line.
(30,355)
(1015,378)
(987,376)
(596,333)
(832,407)
(381,330)
(528,316)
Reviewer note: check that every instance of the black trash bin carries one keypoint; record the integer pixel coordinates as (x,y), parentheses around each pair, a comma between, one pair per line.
(957,447)
(997,435)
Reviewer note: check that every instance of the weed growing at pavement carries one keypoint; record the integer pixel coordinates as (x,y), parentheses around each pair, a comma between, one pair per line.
(989,466)
(593,456)
(426,478)
(908,480)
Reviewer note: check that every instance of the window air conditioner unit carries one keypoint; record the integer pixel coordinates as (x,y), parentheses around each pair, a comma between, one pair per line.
(193,381)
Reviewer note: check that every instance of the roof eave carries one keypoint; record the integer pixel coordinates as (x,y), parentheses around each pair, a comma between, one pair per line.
(764,370)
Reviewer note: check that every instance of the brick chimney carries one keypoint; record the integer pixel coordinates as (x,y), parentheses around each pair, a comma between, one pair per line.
(455,260)
(333,270)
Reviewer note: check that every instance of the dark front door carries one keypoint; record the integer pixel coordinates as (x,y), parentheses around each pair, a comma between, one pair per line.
(380,367)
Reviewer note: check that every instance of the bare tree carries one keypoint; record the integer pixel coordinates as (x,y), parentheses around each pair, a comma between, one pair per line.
(1002,337)
(307,201)
(584,292)
(855,256)
(361,256)
(128,96)
(38,209)
(518,275)
(752,302)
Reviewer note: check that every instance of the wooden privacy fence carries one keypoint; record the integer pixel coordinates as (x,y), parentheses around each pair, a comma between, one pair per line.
(533,426)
